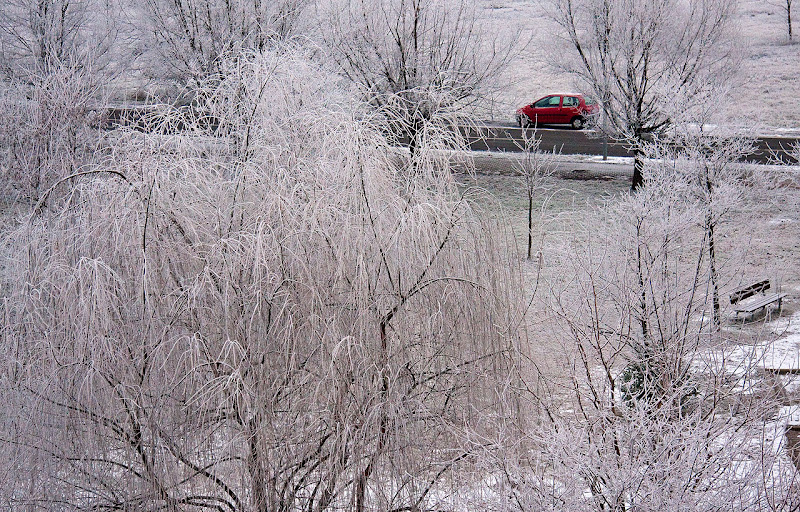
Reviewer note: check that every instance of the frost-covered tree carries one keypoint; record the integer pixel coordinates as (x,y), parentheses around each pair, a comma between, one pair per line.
(709,165)
(48,127)
(36,35)
(421,62)
(281,328)
(53,73)
(534,168)
(192,39)
(649,63)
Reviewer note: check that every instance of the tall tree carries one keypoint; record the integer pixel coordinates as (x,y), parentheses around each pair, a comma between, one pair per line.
(785,7)
(191,39)
(422,62)
(708,164)
(53,57)
(40,34)
(648,62)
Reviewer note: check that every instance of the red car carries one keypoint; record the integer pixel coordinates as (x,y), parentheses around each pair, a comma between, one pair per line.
(571,109)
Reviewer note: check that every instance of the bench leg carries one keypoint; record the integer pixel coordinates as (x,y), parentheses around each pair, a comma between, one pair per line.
(768,313)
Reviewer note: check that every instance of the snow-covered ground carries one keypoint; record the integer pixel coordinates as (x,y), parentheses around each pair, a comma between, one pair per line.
(779,350)
(784,352)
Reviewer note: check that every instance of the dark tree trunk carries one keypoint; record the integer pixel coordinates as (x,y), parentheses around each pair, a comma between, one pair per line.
(713,269)
(414,134)
(642,289)
(412,144)
(360,490)
(258,476)
(712,258)
(638,165)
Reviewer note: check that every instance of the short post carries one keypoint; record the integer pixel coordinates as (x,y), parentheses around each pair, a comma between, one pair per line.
(605,136)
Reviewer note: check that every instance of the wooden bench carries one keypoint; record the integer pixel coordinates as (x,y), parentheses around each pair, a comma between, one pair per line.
(750,290)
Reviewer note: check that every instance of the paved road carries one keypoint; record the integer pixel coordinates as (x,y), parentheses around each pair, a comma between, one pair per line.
(500,137)
(586,142)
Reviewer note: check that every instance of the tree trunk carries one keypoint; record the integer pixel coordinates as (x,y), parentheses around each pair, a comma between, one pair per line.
(713,268)
(642,289)
(712,250)
(530,222)
(638,164)
(414,143)
(360,491)
(258,476)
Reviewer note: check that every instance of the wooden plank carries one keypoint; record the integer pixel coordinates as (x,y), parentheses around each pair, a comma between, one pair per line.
(749,290)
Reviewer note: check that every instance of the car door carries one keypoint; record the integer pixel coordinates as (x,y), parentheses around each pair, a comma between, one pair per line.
(570,107)
(545,110)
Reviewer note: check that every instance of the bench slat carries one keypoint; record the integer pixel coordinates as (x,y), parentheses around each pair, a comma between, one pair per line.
(760,303)
(749,290)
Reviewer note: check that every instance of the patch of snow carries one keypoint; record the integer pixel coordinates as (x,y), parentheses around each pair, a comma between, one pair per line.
(783,354)
(767,131)
(736,362)
(739,361)
(613,160)
(791,385)
(780,221)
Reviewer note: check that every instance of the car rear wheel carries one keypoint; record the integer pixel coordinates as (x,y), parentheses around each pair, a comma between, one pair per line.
(577,123)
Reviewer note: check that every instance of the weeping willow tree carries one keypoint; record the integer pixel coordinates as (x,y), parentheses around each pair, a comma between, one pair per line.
(294,325)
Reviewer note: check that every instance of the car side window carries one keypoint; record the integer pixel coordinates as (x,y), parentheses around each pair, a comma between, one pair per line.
(571,101)
(545,102)
(554,101)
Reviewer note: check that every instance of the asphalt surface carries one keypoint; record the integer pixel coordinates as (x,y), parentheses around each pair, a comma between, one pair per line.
(508,138)
(503,137)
